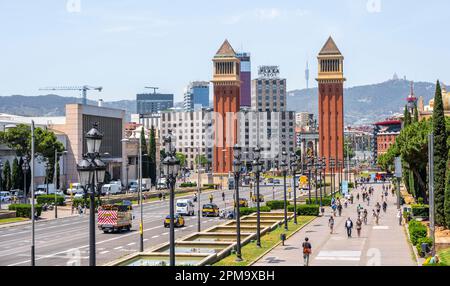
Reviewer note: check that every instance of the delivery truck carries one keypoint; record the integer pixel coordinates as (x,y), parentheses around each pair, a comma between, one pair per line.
(114,218)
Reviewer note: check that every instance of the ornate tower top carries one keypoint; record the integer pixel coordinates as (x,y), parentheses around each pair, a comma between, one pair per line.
(226,66)
(331,63)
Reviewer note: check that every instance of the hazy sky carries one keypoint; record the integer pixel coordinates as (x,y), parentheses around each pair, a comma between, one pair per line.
(126,45)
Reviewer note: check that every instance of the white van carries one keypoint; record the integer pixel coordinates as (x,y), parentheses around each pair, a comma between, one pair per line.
(185,207)
(76,189)
(111,189)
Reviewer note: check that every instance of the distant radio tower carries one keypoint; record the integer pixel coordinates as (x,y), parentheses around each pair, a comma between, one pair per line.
(307,75)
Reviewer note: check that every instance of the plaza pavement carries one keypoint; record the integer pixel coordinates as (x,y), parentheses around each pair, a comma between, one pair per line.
(384,244)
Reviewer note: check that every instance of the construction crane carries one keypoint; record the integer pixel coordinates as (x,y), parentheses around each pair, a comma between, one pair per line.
(83,90)
(154,88)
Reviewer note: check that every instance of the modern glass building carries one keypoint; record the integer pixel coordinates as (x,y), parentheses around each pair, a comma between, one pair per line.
(153,102)
(196,96)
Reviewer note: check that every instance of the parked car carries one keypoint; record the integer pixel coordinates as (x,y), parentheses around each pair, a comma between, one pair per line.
(5,197)
(76,189)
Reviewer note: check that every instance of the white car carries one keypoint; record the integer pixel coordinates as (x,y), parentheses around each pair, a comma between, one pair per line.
(5,197)
(78,196)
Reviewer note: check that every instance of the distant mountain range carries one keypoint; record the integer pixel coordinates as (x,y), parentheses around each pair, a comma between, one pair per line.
(363,104)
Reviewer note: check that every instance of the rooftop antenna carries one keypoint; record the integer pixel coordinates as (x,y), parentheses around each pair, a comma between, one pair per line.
(152,87)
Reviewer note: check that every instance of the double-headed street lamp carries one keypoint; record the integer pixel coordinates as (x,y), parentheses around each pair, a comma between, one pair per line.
(172,166)
(319,170)
(293,165)
(237,165)
(332,165)
(1,183)
(257,166)
(284,169)
(309,166)
(324,169)
(91,171)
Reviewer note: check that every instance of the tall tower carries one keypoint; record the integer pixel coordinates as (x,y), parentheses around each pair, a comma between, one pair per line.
(307,75)
(227,93)
(331,102)
(411,99)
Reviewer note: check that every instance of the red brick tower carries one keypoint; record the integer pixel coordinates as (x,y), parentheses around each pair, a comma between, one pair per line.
(227,86)
(331,102)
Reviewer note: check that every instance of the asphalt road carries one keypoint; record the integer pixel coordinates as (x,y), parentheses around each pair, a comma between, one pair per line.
(65,241)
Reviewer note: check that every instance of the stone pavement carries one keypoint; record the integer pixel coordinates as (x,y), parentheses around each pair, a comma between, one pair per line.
(384,244)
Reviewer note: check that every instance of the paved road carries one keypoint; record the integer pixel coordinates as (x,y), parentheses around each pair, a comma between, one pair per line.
(59,241)
(384,244)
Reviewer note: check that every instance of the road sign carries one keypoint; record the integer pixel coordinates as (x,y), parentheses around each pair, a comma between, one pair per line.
(398,167)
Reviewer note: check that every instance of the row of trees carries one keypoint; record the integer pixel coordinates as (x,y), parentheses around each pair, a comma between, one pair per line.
(19,139)
(412,146)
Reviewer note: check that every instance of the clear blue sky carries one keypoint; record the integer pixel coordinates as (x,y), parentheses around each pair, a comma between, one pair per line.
(126,45)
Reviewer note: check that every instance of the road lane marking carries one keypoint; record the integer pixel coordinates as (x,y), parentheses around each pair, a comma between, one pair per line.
(155,236)
(118,247)
(104,252)
(381,227)
(132,243)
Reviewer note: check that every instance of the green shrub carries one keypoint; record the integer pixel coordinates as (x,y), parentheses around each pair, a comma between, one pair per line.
(420,211)
(50,199)
(326,201)
(416,231)
(210,186)
(80,201)
(247,211)
(188,185)
(24,210)
(308,210)
(426,240)
(276,205)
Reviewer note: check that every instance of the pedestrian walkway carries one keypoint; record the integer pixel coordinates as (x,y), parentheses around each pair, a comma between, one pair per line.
(384,244)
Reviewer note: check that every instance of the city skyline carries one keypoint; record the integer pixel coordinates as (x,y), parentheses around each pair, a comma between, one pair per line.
(126,46)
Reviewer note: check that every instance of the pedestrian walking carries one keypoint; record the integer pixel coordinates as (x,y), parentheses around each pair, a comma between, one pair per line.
(160,196)
(399,216)
(334,208)
(339,207)
(359,226)
(375,216)
(307,250)
(357,197)
(378,207)
(331,224)
(211,198)
(368,201)
(384,206)
(349,227)
(365,214)
(223,196)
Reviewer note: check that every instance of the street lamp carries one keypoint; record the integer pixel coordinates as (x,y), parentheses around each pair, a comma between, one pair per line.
(319,169)
(55,177)
(293,164)
(284,167)
(332,165)
(324,169)
(257,164)
(237,164)
(172,168)
(91,172)
(309,169)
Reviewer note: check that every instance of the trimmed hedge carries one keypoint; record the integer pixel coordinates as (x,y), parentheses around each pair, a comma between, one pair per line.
(325,201)
(211,186)
(188,185)
(50,199)
(276,205)
(24,210)
(305,210)
(420,211)
(416,231)
(80,201)
(247,211)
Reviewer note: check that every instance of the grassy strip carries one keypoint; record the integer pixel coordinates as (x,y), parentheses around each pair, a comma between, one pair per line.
(444,256)
(250,252)
(11,220)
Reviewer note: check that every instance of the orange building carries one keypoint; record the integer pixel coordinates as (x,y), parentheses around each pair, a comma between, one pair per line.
(227,86)
(331,102)
(386,132)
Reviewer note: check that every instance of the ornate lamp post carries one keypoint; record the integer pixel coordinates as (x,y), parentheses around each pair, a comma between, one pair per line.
(55,177)
(25,169)
(257,165)
(309,166)
(332,165)
(91,171)
(316,169)
(324,169)
(293,165)
(237,165)
(284,167)
(1,183)
(319,169)
(172,166)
